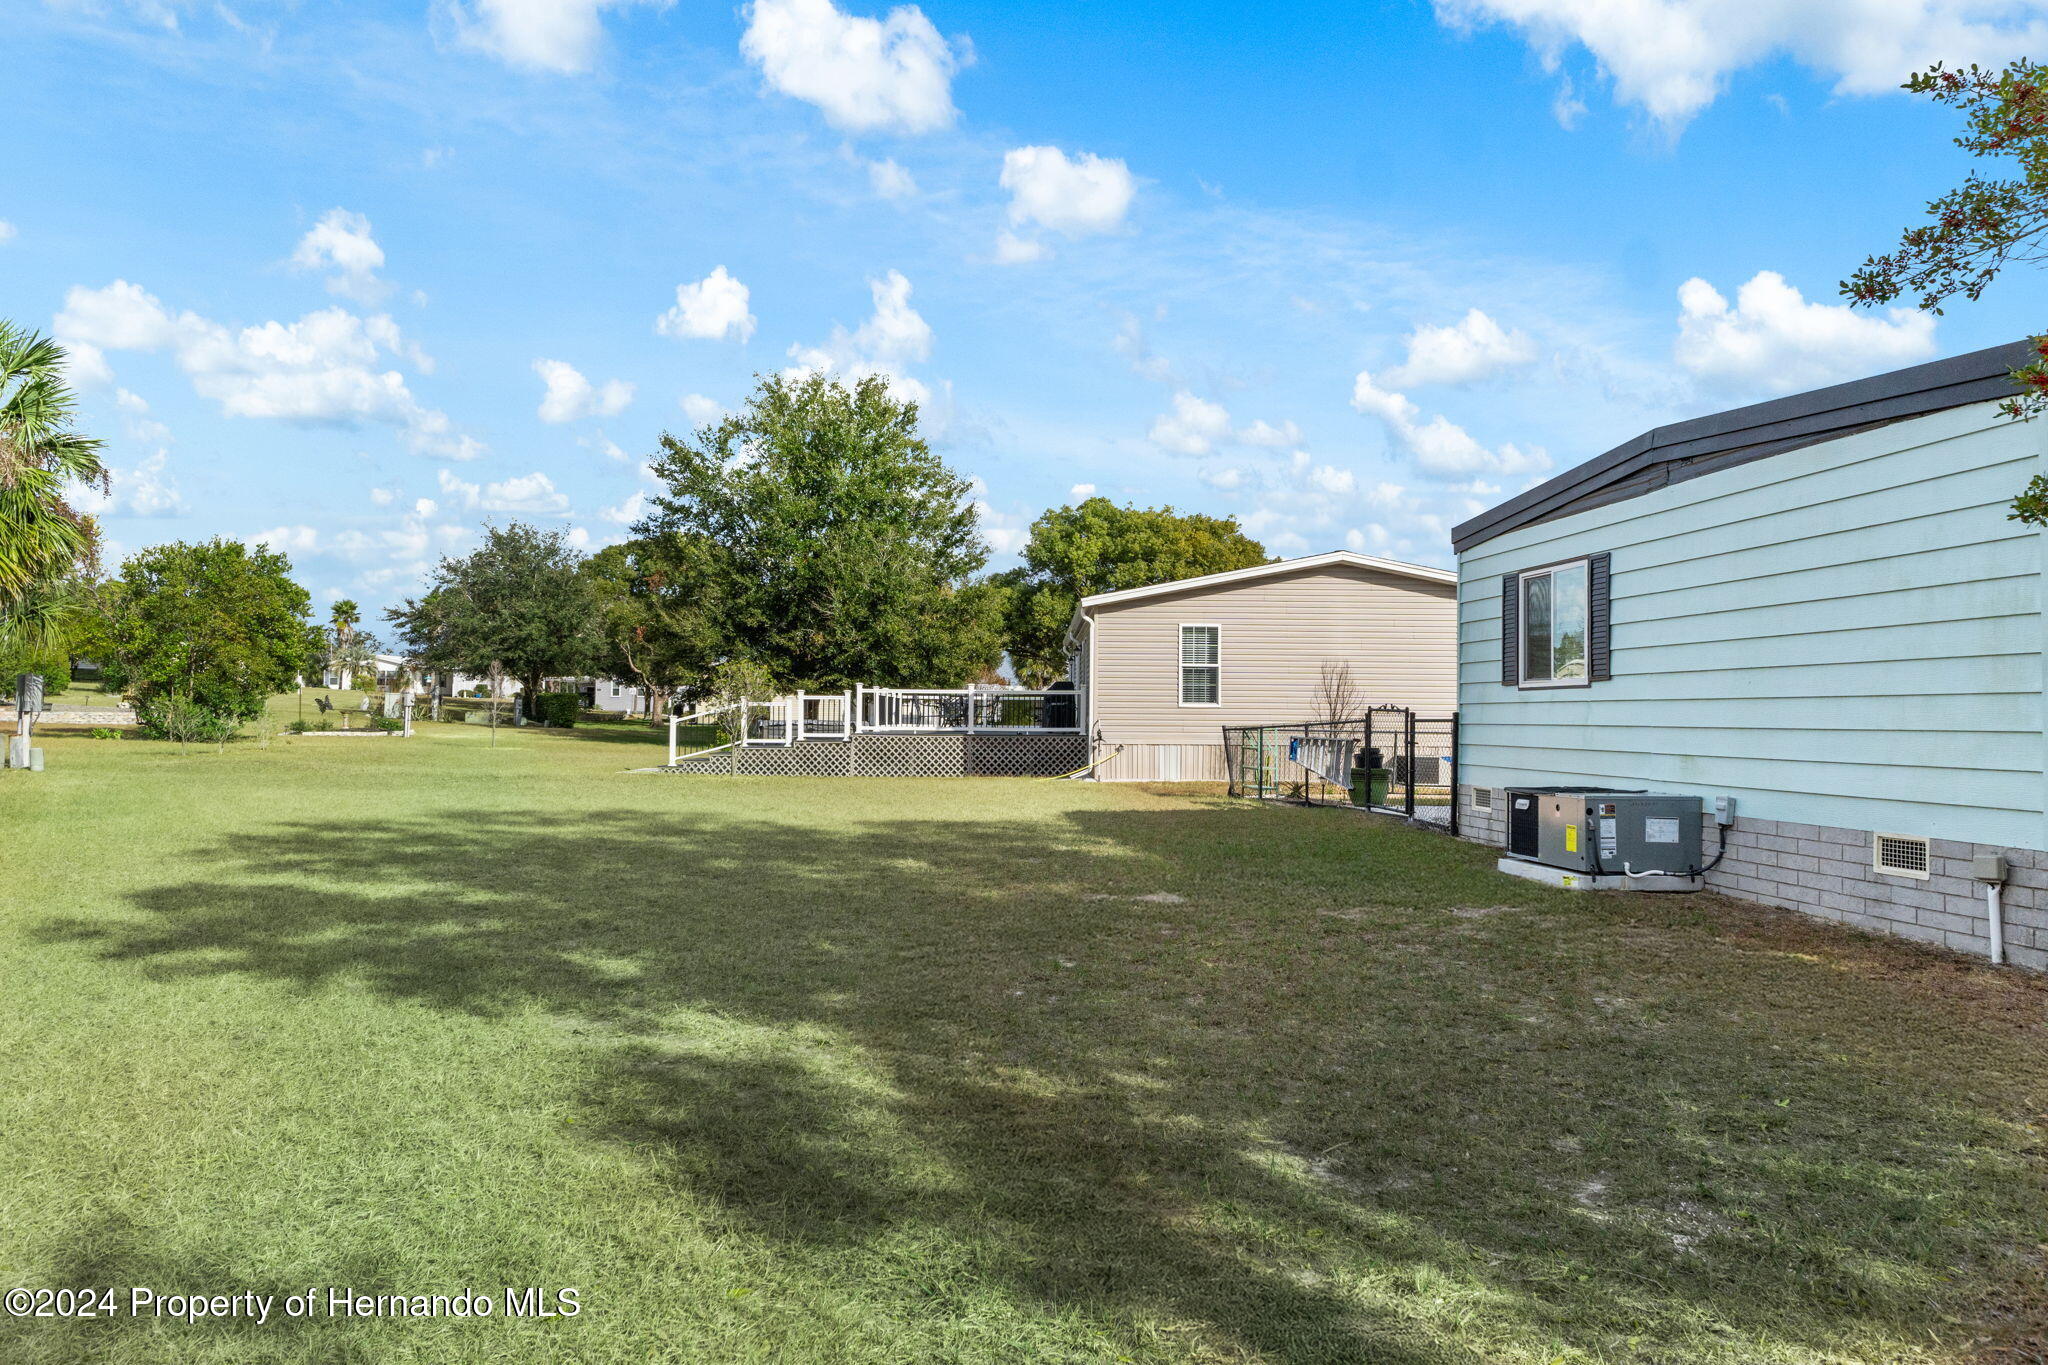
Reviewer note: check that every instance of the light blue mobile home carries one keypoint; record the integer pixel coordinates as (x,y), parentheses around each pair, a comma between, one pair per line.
(1817,606)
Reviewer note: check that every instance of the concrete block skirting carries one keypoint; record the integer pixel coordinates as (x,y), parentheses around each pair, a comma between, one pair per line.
(1826,872)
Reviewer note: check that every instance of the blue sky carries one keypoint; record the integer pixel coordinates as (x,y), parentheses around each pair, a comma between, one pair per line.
(357,277)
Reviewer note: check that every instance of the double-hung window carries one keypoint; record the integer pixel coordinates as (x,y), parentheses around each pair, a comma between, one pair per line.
(1556,626)
(1201,665)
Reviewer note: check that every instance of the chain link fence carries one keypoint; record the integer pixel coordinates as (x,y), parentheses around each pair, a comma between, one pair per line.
(1388,760)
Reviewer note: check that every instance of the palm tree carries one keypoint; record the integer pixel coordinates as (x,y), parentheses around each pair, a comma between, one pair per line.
(42,540)
(347,658)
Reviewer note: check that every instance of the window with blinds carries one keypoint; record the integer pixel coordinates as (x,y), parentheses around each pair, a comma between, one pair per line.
(1201,665)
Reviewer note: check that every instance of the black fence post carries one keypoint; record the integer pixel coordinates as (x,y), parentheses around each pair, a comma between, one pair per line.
(1370,760)
(1307,774)
(1454,774)
(1408,726)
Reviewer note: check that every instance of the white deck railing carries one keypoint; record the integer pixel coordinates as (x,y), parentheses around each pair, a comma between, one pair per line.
(881,710)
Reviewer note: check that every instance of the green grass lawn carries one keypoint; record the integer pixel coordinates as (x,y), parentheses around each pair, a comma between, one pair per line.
(963,1071)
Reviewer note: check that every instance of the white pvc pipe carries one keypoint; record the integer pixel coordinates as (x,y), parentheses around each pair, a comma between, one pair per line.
(1994,907)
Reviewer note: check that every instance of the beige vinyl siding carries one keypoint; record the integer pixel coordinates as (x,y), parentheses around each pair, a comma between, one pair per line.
(1165,763)
(1398,634)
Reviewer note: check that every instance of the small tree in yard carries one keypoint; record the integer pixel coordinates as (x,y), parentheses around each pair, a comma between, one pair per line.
(217,626)
(1338,695)
(520,605)
(1982,226)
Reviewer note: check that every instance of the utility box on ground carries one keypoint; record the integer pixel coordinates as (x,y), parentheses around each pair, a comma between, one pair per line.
(1603,833)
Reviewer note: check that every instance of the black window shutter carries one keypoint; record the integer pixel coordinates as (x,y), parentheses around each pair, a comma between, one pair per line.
(1511,630)
(1599,647)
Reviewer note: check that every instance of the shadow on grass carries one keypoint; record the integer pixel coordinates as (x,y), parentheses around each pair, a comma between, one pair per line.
(1284,1116)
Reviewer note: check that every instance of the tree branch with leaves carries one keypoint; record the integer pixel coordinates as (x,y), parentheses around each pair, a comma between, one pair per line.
(1982,226)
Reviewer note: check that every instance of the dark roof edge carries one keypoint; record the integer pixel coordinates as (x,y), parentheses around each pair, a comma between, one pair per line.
(1768,428)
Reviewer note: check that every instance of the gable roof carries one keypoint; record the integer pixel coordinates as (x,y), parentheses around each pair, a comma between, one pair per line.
(1685,450)
(1257,571)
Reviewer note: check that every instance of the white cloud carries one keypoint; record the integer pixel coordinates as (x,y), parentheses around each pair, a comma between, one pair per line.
(144,489)
(544,35)
(1225,480)
(893,74)
(7,232)
(1194,427)
(1334,481)
(699,409)
(627,512)
(1439,446)
(1130,343)
(713,308)
(533,492)
(407,549)
(1472,348)
(463,492)
(1369,539)
(1672,57)
(1005,534)
(570,396)
(1083,195)
(383,497)
(328,367)
(341,242)
(1081,492)
(1264,433)
(1775,340)
(1014,250)
(135,419)
(286,539)
(891,181)
(894,337)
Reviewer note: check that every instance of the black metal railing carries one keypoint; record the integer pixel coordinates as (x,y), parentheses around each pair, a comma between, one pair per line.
(1387,759)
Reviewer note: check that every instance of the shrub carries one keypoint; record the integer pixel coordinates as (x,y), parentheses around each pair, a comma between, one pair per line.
(184,721)
(105,732)
(386,723)
(556,708)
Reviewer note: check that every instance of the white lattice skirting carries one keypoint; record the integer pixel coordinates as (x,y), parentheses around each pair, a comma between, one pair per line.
(901,756)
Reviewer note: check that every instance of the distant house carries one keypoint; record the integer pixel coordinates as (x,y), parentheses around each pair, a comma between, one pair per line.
(1162,669)
(1817,606)
(383,674)
(609,694)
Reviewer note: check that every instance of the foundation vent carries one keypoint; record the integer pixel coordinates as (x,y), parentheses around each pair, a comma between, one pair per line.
(1899,855)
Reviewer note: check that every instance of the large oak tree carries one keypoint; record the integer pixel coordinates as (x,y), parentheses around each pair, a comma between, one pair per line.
(1098,546)
(825,541)
(520,601)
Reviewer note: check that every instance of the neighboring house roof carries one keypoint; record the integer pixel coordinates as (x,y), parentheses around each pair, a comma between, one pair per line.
(1278,566)
(1685,450)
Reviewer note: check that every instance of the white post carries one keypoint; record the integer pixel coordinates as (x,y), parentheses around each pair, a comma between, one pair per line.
(859,706)
(798,719)
(673,719)
(741,743)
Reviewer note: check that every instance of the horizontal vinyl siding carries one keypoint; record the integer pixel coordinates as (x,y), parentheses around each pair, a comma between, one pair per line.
(1845,635)
(1399,635)
(1166,763)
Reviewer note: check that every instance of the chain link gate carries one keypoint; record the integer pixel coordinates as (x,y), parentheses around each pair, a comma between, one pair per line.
(1388,760)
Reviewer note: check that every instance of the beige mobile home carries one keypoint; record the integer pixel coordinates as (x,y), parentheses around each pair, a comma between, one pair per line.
(1163,669)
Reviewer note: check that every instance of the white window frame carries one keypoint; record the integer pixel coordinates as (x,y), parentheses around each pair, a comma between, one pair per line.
(1181,666)
(1522,624)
